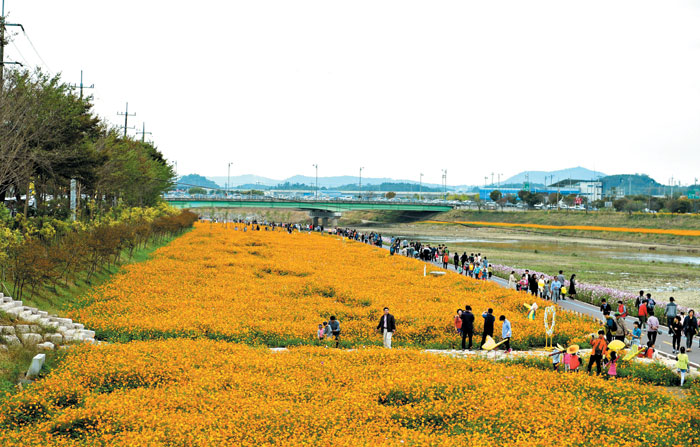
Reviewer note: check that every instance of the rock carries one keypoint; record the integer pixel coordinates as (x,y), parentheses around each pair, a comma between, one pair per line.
(89,334)
(7,330)
(89,340)
(15,311)
(43,314)
(46,346)
(32,318)
(78,326)
(66,321)
(56,339)
(52,325)
(30,339)
(35,328)
(37,363)
(22,328)
(11,340)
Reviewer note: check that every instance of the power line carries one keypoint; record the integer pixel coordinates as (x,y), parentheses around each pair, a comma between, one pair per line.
(35,50)
(144,133)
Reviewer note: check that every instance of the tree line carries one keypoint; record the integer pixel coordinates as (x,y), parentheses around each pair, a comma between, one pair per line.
(38,254)
(49,135)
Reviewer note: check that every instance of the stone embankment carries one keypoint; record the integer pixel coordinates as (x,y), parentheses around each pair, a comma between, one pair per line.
(32,327)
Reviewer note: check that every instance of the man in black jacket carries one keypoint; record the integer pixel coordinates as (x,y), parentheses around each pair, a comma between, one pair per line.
(467,326)
(489,321)
(387,326)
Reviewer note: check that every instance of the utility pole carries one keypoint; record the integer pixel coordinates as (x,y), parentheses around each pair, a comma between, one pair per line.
(444,183)
(143,133)
(228,178)
(492,179)
(81,86)
(316,166)
(126,116)
(361,168)
(3,25)
(486,180)
(420,191)
(499,179)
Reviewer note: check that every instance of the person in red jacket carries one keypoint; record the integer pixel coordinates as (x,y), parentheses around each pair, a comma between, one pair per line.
(643,313)
(599,347)
(622,309)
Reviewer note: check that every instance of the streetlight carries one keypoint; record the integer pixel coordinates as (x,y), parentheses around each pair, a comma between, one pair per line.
(228,179)
(444,182)
(420,190)
(361,182)
(316,166)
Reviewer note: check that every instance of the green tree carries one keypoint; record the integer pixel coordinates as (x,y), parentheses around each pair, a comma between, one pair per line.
(390,195)
(196,190)
(496,195)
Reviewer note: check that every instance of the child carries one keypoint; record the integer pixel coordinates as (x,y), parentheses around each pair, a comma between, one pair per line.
(612,368)
(321,332)
(636,334)
(682,364)
(567,362)
(556,359)
(458,321)
(575,362)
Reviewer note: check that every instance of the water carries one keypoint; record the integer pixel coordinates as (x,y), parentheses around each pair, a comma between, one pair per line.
(456,240)
(655,257)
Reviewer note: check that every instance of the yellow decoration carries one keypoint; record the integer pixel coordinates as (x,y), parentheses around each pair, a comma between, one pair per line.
(616,345)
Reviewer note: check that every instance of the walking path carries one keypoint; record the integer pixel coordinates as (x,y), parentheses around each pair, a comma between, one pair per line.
(663,340)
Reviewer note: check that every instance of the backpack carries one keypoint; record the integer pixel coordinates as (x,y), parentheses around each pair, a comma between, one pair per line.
(613,326)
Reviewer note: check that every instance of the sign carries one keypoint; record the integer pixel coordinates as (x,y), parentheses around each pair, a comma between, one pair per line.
(694,194)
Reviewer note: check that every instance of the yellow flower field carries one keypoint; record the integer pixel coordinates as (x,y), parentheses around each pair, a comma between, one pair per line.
(675,232)
(212,393)
(274,288)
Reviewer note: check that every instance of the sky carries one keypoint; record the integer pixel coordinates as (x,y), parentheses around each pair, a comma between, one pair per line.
(397,87)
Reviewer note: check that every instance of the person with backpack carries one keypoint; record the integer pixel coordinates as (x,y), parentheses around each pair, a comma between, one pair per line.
(599,347)
(610,327)
(467,327)
(671,311)
(652,329)
(621,331)
(651,304)
(638,301)
(489,321)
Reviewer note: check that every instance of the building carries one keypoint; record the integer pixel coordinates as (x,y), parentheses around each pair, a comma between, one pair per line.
(485,192)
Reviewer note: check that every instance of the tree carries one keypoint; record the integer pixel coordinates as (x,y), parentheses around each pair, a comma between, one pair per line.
(495,195)
(390,195)
(511,199)
(680,206)
(196,190)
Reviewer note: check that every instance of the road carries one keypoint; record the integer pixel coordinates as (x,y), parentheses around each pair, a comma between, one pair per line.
(663,340)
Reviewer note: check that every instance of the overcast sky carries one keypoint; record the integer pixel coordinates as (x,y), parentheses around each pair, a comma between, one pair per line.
(399,87)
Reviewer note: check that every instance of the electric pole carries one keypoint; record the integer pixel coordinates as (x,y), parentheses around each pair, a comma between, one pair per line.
(316,166)
(126,116)
(420,190)
(3,42)
(143,133)
(228,179)
(361,182)
(81,86)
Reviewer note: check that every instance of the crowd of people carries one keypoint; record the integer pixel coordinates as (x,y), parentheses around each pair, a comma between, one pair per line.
(477,266)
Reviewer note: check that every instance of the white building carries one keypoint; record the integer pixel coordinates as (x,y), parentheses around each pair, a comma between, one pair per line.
(591,190)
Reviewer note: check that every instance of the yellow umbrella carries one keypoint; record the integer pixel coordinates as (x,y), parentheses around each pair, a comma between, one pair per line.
(491,344)
(616,345)
(634,351)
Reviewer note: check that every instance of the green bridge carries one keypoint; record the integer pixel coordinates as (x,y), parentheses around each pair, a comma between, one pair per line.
(326,210)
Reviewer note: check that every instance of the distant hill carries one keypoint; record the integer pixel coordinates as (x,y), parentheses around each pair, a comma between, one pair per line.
(196,180)
(247,179)
(632,184)
(326,182)
(543,177)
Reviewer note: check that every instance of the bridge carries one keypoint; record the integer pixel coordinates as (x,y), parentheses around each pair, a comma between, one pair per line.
(325,210)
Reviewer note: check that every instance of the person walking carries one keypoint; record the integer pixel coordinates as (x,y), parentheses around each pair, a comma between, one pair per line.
(605,308)
(467,327)
(638,301)
(387,327)
(652,329)
(572,286)
(676,328)
(335,330)
(643,313)
(456,260)
(599,347)
(556,288)
(511,280)
(621,331)
(562,281)
(610,327)
(690,328)
(682,364)
(489,321)
(506,333)
(622,309)
(671,312)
